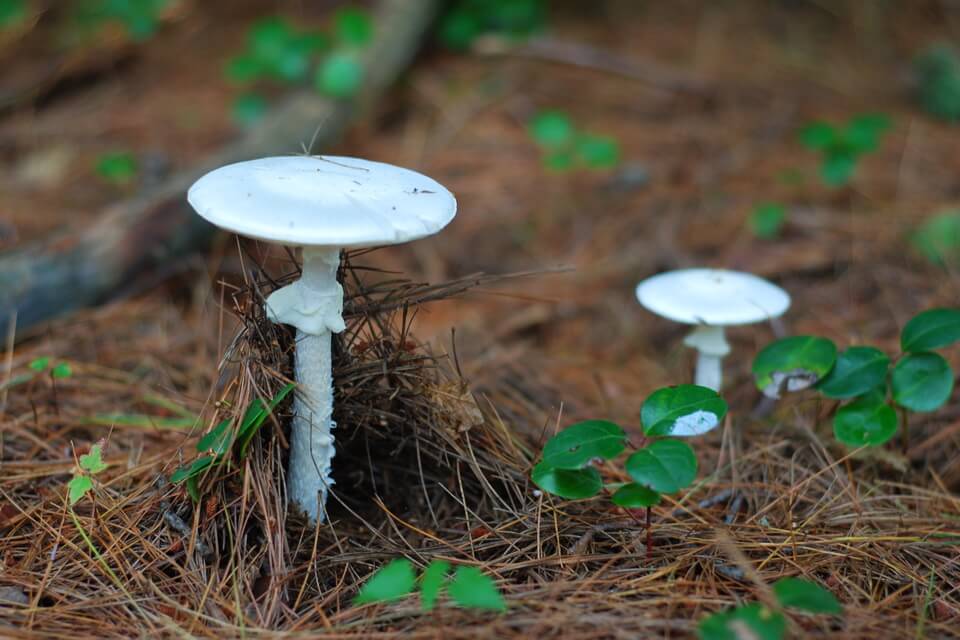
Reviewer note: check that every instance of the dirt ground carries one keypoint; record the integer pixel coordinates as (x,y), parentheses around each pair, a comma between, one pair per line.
(706,112)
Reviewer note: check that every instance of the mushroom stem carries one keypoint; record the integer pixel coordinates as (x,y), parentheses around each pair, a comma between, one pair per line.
(711,346)
(313,304)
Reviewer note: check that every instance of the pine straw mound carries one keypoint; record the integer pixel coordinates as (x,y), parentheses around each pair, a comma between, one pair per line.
(426,471)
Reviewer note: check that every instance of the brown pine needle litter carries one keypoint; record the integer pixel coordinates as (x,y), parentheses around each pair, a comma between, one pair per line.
(427,467)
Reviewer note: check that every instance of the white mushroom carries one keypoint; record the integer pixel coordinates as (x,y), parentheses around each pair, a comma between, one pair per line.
(712,299)
(323,204)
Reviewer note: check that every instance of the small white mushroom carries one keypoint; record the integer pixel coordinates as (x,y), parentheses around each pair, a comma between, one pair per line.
(712,299)
(323,204)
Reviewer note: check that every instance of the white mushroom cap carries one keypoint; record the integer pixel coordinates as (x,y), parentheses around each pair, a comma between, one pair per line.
(714,297)
(323,201)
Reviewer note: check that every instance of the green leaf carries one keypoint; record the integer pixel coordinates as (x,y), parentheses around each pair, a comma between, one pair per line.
(339,76)
(865,421)
(938,238)
(459,28)
(805,596)
(471,589)
(572,484)
(577,445)
(635,496)
(195,469)
(353,26)
(931,329)
(12,13)
(217,441)
(243,69)
(62,370)
(391,582)
(862,134)
(77,488)
(857,371)
(767,220)
(431,583)
(552,129)
(93,461)
(40,364)
(269,38)
(683,410)
(118,167)
(559,161)
(817,136)
(248,109)
(598,152)
(793,364)
(837,168)
(193,488)
(256,415)
(922,381)
(749,622)
(666,466)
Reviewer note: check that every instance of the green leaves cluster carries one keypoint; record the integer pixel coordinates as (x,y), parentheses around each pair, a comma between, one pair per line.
(841,147)
(756,620)
(866,378)
(82,481)
(663,466)
(767,220)
(469,19)
(937,71)
(565,148)
(278,51)
(467,587)
(216,446)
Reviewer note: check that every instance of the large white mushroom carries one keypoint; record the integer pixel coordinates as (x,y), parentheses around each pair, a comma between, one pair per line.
(323,204)
(711,299)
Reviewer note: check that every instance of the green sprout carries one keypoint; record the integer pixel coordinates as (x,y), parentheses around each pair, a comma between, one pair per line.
(82,481)
(767,220)
(217,445)
(938,81)
(867,381)
(756,620)
(564,148)
(467,20)
(117,167)
(468,587)
(841,147)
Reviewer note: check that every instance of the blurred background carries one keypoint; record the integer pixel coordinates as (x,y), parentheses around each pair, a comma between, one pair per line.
(813,143)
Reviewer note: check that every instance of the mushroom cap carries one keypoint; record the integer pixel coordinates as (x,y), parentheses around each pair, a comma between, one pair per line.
(322,201)
(714,297)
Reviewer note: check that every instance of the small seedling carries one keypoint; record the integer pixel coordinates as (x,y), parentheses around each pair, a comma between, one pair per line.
(88,466)
(841,147)
(117,167)
(868,380)
(756,620)
(767,220)
(568,465)
(938,239)
(467,20)
(565,148)
(215,447)
(468,588)
(938,81)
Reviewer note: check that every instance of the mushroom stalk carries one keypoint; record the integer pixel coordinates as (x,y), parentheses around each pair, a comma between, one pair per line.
(314,305)
(711,346)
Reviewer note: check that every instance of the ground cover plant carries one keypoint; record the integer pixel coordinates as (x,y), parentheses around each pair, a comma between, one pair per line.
(519,452)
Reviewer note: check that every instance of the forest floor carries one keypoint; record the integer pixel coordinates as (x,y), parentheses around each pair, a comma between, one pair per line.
(706,108)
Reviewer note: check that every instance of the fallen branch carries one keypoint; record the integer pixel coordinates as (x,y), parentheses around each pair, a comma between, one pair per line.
(81,268)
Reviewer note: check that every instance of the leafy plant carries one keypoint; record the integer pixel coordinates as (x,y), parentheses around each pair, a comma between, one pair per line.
(140,18)
(767,220)
(216,446)
(117,167)
(841,147)
(937,70)
(88,466)
(467,20)
(565,148)
(340,74)
(867,380)
(938,239)
(469,587)
(756,620)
